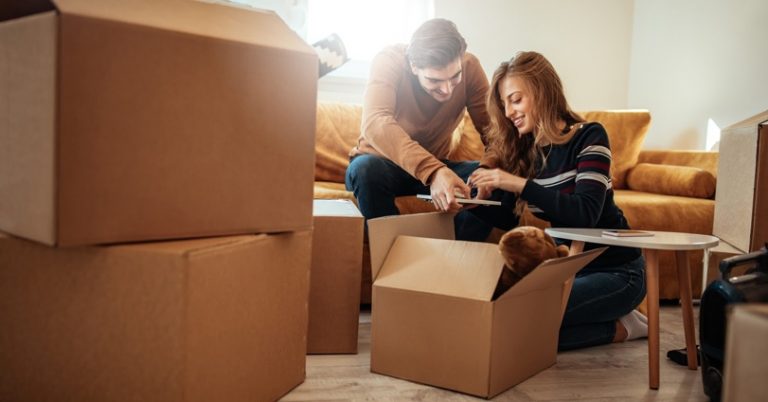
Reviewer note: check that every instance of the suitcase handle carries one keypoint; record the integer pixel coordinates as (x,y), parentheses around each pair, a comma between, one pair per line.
(757,258)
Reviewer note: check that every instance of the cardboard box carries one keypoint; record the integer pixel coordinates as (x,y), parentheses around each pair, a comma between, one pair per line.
(433,320)
(197,320)
(745,354)
(741,199)
(139,120)
(334,295)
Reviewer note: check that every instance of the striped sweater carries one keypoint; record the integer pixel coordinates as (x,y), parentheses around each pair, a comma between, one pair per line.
(573,189)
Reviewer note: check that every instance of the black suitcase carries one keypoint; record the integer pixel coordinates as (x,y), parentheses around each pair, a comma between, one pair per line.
(750,285)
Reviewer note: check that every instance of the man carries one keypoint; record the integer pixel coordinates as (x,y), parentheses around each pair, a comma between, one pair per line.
(415,98)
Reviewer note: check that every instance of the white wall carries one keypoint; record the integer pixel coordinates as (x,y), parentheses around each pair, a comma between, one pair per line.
(684,60)
(587,41)
(698,59)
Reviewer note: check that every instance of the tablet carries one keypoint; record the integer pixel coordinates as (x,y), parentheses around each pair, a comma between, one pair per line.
(427,197)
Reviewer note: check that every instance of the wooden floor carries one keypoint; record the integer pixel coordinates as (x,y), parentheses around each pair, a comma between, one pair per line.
(617,372)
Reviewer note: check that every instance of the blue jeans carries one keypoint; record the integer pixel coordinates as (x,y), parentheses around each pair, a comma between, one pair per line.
(599,295)
(598,298)
(376,181)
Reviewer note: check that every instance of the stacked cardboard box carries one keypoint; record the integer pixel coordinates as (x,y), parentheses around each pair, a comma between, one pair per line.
(129,121)
(194,320)
(125,122)
(334,297)
(745,353)
(741,199)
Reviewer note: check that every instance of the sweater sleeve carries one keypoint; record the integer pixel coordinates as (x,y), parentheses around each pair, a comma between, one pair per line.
(477,93)
(581,207)
(380,128)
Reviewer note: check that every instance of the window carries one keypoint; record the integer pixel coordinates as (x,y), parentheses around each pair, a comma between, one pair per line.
(365,27)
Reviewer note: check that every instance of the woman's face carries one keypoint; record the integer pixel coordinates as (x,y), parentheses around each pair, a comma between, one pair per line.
(518,104)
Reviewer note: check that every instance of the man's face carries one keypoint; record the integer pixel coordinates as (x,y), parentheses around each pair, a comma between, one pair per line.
(439,82)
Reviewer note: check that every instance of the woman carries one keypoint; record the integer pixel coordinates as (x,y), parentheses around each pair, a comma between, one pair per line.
(544,156)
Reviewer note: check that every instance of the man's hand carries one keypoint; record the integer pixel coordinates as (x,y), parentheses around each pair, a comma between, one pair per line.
(445,185)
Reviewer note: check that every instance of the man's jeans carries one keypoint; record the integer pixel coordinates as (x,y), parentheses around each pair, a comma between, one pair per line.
(376,181)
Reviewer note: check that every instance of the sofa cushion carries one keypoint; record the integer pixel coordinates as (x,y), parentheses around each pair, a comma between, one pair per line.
(336,132)
(669,213)
(626,131)
(684,181)
(466,144)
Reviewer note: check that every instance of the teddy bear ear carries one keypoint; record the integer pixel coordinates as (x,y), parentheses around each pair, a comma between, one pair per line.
(562,250)
(512,234)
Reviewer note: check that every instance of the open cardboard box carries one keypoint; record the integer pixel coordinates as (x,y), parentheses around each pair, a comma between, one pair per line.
(433,320)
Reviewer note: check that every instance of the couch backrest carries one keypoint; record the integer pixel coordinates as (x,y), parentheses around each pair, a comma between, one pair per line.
(336,133)
(338,127)
(626,132)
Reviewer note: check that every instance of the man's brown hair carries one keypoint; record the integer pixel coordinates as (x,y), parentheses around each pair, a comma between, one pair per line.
(435,43)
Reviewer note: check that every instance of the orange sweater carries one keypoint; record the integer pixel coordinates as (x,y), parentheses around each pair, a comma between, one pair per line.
(405,124)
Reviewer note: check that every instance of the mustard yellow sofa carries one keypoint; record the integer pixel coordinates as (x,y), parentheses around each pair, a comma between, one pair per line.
(656,189)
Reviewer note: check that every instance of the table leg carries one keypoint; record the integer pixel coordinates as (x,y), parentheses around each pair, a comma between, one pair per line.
(652,296)
(684,284)
(705,271)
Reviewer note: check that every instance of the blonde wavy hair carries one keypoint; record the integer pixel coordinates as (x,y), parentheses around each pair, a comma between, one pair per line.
(519,154)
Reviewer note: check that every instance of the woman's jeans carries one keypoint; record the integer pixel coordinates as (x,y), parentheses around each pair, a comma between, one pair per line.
(598,298)
(376,181)
(599,295)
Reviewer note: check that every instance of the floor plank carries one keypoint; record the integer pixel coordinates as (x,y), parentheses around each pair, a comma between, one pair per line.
(617,372)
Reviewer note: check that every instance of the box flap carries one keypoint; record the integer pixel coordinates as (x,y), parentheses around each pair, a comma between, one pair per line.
(216,20)
(383,231)
(10,9)
(752,121)
(734,197)
(341,208)
(447,267)
(553,272)
(28,56)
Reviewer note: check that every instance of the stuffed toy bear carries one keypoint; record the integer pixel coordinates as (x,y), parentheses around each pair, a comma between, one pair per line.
(523,249)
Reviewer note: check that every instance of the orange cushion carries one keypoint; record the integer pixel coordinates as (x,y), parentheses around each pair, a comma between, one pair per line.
(336,133)
(684,181)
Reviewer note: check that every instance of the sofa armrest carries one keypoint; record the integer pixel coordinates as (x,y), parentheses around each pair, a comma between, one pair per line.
(705,160)
(683,181)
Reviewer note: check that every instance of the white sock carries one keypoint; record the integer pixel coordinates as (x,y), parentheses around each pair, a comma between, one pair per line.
(636,325)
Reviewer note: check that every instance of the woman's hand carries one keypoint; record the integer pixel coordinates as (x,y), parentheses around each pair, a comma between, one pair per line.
(487,180)
(483,193)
